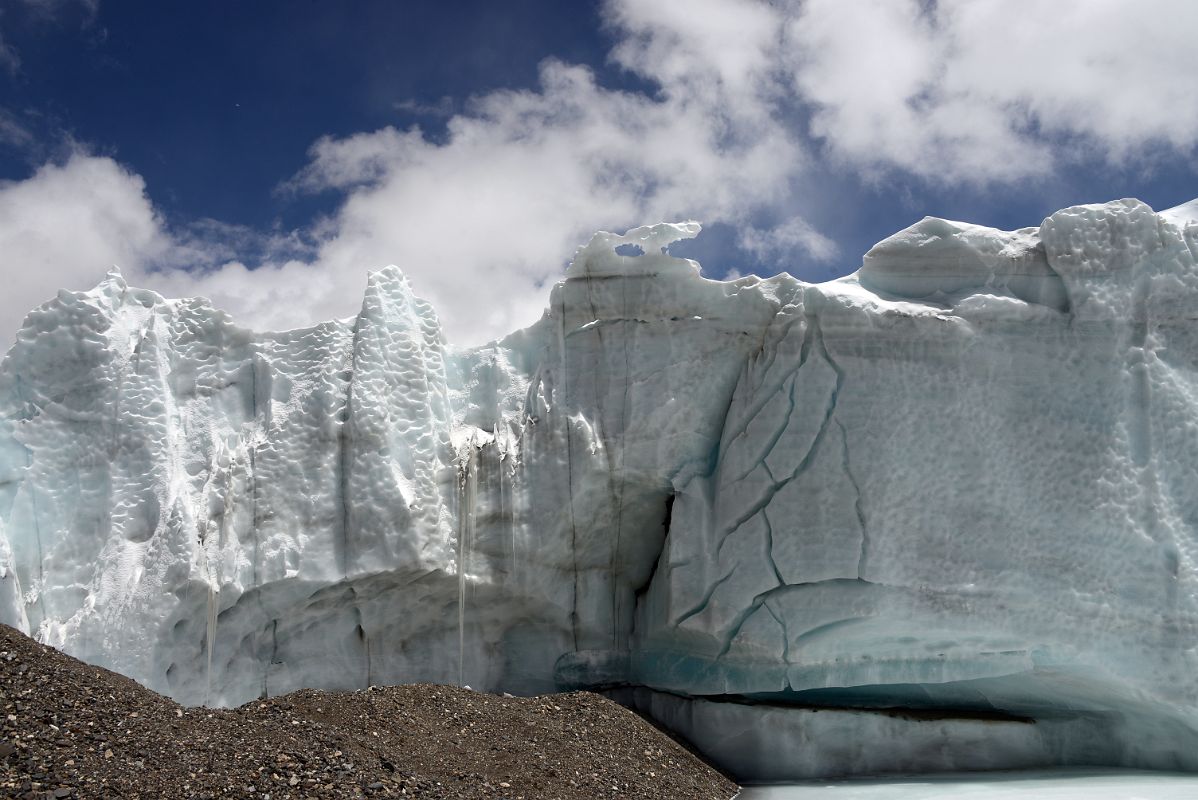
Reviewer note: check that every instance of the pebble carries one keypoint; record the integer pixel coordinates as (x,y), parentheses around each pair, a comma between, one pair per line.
(91,734)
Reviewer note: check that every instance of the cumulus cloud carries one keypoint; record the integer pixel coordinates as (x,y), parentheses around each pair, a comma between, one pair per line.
(483,216)
(993,90)
(720,53)
(778,244)
(68,224)
(483,219)
(357,160)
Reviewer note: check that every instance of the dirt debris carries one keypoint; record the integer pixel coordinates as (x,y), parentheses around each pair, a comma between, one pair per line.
(71,730)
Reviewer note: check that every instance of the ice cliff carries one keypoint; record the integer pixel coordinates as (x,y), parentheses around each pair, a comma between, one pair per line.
(940,514)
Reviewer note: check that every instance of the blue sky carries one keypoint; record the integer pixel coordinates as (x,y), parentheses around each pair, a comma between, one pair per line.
(268,154)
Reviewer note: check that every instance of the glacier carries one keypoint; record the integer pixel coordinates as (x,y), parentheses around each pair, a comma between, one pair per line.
(937,515)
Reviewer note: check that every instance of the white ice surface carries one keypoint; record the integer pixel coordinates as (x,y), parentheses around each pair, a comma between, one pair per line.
(959,483)
(1045,785)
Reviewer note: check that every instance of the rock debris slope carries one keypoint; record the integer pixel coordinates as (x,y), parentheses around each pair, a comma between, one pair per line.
(946,504)
(70,730)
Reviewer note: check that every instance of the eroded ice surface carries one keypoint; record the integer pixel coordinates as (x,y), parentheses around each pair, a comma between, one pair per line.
(947,501)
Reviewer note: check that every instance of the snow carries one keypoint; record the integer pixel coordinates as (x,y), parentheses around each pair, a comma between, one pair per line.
(937,515)
(1182,215)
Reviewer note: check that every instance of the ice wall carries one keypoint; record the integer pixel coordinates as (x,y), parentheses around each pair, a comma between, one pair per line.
(948,499)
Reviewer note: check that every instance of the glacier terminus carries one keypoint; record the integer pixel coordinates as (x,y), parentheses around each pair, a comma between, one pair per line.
(941,514)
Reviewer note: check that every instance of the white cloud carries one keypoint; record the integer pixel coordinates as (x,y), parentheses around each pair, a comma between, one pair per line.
(778,245)
(355,160)
(716,52)
(484,217)
(66,226)
(482,221)
(1122,73)
(985,90)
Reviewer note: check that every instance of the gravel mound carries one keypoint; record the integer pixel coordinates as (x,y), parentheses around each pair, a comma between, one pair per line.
(71,730)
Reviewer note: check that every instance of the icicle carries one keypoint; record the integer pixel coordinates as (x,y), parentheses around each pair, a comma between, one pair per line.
(213,594)
(461,572)
(466,489)
(509,520)
(213,574)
